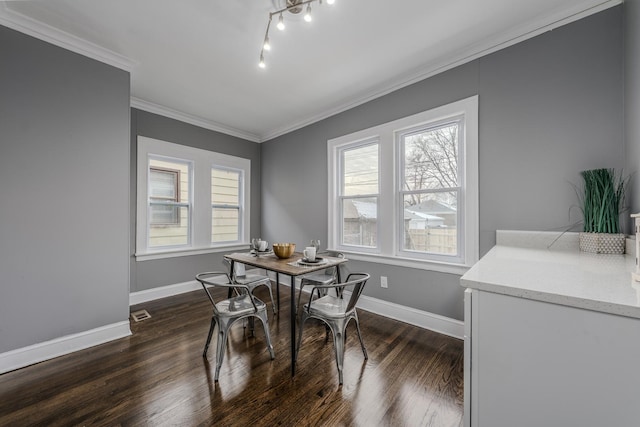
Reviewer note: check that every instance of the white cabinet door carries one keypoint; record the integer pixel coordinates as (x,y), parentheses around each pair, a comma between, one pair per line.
(538,364)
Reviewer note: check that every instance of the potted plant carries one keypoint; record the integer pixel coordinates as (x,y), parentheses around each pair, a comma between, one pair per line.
(602,200)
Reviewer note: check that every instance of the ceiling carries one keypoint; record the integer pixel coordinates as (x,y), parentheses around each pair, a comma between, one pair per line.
(196,60)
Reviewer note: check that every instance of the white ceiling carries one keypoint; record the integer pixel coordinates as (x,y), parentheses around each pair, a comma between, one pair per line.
(197,59)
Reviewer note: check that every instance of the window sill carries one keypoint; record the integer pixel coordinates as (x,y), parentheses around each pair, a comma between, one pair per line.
(175,253)
(441,267)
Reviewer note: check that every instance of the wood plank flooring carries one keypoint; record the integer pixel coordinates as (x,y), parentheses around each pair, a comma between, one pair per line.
(158,377)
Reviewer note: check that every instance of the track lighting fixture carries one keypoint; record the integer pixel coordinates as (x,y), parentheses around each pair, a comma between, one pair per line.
(293,7)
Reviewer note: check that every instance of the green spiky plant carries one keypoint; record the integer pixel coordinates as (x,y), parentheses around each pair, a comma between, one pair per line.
(602,200)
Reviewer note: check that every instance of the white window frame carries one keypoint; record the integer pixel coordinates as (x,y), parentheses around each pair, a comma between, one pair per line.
(203,162)
(389,247)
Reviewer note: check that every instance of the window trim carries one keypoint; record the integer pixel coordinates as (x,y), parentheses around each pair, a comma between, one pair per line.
(388,176)
(203,161)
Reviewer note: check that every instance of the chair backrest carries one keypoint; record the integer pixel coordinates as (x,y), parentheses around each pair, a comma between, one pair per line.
(358,281)
(332,271)
(238,269)
(207,279)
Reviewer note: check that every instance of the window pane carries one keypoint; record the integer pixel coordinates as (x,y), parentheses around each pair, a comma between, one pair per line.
(359,222)
(224,225)
(225,187)
(163,184)
(431,158)
(173,234)
(169,202)
(431,223)
(225,201)
(360,170)
(164,214)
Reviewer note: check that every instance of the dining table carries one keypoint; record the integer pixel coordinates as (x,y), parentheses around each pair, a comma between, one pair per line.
(294,267)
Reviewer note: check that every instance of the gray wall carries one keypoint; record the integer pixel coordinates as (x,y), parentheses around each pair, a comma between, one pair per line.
(155,273)
(548,108)
(64,186)
(632,99)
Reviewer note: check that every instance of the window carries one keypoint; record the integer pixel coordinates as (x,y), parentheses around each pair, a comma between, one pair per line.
(164,195)
(185,191)
(169,202)
(406,192)
(359,195)
(430,188)
(226,205)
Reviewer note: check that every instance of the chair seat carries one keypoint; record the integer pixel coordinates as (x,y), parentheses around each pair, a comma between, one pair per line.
(320,278)
(252,279)
(328,306)
(238,306)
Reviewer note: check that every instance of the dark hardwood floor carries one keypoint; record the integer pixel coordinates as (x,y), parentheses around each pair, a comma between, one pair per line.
(158,376)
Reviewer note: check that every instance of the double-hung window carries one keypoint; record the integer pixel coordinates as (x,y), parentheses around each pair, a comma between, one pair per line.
(406,192)
(190,201)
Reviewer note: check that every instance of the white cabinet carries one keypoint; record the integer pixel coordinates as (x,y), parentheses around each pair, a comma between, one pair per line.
(538,358)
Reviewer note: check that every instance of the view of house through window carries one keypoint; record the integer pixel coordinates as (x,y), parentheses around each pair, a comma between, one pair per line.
(430,189)
(225,205)
(169,202)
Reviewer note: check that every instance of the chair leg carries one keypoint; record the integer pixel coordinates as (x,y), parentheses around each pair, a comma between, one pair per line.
(273,302)
(211,328)
(364,349)
(338,344)
(265,323)
(220,347)
(303,319)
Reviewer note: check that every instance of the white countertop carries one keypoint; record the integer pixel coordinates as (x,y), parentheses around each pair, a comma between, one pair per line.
(561,275)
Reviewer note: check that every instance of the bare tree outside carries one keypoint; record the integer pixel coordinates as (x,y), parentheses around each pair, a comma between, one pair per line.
(431,163)
(430,189)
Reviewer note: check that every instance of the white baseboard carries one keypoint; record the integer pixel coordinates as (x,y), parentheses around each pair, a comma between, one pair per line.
(420,318)
(163,292)
(26,356)
(423,319)
(169,290)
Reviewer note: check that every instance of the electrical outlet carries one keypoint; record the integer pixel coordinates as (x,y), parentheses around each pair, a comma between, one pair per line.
(383,282)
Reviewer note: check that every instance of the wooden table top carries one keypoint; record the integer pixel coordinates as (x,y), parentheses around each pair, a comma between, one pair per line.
(283,266)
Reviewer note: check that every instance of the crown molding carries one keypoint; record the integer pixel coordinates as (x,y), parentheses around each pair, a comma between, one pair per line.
(24,24)
(487,47)
(151,107)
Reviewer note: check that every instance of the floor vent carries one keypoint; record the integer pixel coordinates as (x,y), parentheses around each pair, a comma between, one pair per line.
(140,315)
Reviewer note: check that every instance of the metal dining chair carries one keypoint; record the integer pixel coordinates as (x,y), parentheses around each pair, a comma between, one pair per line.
(336,312)
(250,280)
(228,311)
